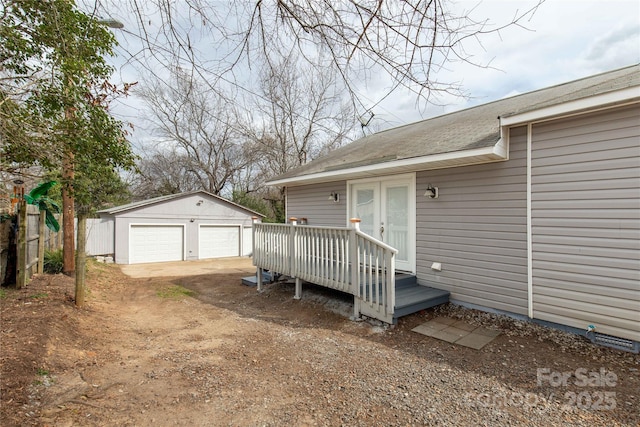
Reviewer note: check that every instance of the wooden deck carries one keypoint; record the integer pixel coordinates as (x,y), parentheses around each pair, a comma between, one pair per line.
(325,256)
(344,259)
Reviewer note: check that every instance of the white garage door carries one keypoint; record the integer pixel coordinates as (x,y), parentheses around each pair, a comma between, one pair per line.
(156,243)
(219,241)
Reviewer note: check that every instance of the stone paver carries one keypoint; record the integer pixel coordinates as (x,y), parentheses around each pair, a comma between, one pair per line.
(474,341)
(488,332)
(461,324)
(457,332)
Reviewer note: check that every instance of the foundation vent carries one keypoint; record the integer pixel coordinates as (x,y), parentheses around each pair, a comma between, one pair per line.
(617,343)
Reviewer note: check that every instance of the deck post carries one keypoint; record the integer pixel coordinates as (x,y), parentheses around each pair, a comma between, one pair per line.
(292,248)
(298,294)
(293,254)
(355,266)
(259,277)
(255,220)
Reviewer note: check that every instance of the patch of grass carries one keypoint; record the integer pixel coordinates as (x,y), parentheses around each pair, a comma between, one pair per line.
(45,378)
(174,292)
(39,295)
(3,294)
(53,263)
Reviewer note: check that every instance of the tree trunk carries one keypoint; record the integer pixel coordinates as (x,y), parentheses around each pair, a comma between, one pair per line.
(68,214)
(81,259)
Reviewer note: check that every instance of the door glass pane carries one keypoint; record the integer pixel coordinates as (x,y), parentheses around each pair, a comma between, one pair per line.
(364,209)
(397,220)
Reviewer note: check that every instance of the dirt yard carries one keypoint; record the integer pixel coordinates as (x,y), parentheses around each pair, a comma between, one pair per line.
(187,344)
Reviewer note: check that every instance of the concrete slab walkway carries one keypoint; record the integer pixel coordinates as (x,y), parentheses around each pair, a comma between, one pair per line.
(229,265)
(457,332)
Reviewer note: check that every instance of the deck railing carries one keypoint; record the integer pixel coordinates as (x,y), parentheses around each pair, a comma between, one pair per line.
(339,258)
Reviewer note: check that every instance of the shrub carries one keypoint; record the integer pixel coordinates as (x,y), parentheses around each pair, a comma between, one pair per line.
(53,262)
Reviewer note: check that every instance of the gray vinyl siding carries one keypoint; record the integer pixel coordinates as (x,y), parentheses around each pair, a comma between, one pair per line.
(586,222)
(477,229)
(312,202)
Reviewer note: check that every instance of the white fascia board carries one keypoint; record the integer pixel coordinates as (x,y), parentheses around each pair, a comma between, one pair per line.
(628,95)
(498,152)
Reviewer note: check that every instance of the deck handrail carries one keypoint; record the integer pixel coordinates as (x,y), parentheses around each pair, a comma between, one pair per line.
(327,256)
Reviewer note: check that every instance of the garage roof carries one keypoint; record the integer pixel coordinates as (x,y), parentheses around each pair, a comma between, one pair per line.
(161,199)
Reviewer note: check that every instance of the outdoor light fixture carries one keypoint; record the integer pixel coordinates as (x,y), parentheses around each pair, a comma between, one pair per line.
(335,197)
(432,192)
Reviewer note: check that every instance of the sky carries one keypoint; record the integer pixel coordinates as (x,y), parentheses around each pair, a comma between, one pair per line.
(564,40)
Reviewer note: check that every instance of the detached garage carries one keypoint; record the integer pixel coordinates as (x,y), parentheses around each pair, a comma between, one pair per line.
(187,226)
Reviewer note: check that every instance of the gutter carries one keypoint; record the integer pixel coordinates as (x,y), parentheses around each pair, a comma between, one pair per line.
(496,153)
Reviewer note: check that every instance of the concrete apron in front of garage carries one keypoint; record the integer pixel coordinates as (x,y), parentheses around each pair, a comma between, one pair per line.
(457,332)
(231,265)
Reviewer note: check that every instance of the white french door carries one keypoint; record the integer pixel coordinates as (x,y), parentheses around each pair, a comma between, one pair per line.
(386,209)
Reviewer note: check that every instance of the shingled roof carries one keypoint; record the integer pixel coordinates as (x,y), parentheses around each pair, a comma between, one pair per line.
(160,199)
(469,136)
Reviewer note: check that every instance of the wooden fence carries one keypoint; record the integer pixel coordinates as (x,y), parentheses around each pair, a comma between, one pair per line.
(32,240)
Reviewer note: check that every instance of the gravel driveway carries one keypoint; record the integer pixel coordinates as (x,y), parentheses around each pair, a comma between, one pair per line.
(201,349)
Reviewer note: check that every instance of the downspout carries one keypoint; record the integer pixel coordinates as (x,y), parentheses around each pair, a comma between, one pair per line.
(504,136)
(286,203)
(501,147)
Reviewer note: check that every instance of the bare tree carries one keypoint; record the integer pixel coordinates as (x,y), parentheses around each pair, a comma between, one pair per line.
(408,40)
(197,132)
(161,173)
(301,113)
(226,44)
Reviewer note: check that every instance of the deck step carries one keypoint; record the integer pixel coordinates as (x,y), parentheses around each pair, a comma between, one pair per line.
(405,280)
(411,299)
(267,277)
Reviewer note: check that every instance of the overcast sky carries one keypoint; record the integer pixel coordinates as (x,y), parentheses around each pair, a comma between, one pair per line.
(563,41)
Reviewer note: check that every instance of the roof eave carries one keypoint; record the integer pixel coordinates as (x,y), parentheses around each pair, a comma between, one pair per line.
(495,153)
(604,100)
(156,200)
